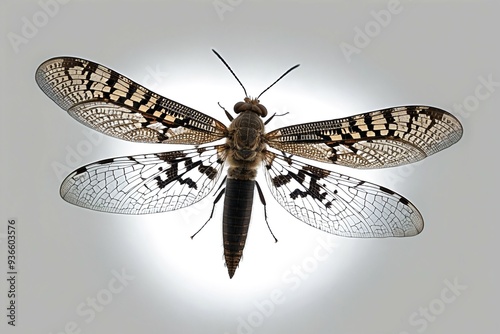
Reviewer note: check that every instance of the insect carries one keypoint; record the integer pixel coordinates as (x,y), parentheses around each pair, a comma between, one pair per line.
(108,102)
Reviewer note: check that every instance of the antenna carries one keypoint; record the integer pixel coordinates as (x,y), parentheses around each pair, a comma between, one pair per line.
(229,68)
(265,90)
(289,70)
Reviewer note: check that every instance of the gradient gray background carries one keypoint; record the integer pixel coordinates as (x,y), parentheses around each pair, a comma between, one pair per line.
(431,52)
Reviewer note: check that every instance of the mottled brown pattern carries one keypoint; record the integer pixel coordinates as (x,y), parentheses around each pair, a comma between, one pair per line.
(108,102)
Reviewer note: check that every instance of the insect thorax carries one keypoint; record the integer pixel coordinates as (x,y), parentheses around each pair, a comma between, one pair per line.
(245,145)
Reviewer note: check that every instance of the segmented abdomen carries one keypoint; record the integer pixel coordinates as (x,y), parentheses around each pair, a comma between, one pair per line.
(236,219)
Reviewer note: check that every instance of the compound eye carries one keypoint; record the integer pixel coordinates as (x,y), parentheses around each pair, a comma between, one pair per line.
(263,110)
(250,105)
(240,107)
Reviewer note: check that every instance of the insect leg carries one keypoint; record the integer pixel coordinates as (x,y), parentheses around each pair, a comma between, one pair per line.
(263,201)
(270,118)
(217,199)
(227,113)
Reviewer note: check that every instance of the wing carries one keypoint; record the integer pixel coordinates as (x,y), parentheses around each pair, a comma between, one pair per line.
(108,102)
(382,138)
(147,183)
(339,204)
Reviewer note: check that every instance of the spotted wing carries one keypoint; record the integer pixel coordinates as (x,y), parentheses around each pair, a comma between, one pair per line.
(339,204)
(382,138)
(147,183)
(108,102)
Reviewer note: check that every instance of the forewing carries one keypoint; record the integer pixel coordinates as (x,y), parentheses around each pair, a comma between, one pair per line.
(147,183)
(382,138)
(110,103)
(339,204)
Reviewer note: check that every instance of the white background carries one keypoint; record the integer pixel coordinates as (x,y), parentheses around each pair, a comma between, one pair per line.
(423,52)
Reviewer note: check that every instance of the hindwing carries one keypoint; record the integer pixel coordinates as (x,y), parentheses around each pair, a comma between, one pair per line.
(339,204)
(147,183)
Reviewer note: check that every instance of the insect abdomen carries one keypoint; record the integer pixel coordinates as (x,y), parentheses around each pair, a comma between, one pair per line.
(236,219)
